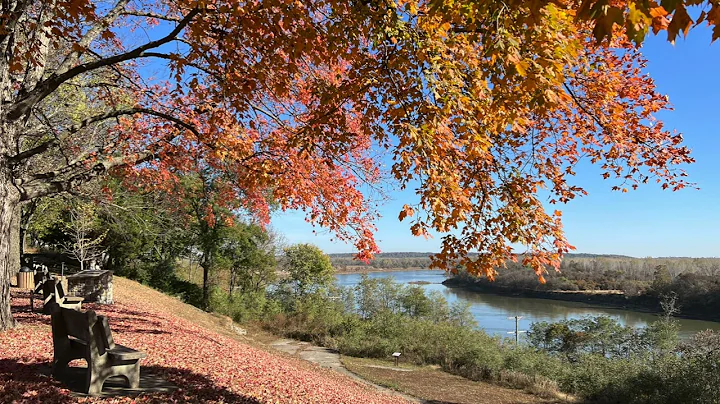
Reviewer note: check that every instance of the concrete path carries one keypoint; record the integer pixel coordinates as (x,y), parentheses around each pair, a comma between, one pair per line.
(327,358)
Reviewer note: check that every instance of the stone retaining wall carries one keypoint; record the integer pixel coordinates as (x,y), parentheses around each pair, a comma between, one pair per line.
(94,286)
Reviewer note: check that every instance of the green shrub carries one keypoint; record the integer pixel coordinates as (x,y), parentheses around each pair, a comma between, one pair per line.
(593,358)
(241,308)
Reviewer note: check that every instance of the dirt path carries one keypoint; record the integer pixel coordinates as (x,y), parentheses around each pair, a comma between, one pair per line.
(329,359)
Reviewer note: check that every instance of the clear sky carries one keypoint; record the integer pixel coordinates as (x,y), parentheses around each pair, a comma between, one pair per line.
(641,223)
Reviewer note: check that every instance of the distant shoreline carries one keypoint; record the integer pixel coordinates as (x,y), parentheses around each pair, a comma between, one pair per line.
(609,299)
(363,270)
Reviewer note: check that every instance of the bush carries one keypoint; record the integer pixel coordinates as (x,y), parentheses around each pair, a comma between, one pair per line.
(241,308)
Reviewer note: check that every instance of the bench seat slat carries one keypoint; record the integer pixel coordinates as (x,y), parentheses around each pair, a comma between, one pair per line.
(124,353)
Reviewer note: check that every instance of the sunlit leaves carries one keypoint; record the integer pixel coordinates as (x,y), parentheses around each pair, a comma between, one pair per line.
(481,106)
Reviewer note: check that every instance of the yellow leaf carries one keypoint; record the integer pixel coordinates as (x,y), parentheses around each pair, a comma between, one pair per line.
(521,67)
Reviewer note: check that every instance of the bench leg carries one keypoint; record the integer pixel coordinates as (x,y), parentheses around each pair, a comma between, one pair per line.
(133,376)
(98,372)
(60,365)
(95,381)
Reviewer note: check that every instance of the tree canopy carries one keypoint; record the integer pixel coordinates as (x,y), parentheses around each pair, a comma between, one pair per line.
(483,103)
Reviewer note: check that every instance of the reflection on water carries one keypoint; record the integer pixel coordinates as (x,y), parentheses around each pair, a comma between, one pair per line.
(492,311)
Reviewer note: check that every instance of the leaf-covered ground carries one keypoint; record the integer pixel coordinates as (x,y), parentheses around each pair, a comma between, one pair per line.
(205,365)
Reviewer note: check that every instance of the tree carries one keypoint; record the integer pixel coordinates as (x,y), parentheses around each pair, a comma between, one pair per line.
(210,203)
(147,233)
(483,104)
(250,251)
(308,269)
(661,280)
(414,302)
(82,230)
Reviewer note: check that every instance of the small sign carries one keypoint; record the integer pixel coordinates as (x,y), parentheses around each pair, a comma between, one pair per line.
(396,354)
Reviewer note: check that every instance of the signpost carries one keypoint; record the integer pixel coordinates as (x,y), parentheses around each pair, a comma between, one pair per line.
(517,331)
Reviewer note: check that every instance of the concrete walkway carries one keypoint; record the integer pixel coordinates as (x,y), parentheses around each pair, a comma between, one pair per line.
(329,359)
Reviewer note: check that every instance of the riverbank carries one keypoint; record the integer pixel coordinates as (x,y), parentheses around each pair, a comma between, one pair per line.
(604,298)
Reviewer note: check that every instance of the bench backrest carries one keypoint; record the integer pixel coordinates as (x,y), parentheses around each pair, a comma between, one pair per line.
(87,326)
(78,324)
(59,291)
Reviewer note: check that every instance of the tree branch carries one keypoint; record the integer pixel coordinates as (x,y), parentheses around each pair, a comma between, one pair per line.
(152,15)
(171,58)
(41,148)
(90,36)
(582,107)
(47,86)
(78,163)
(38,190)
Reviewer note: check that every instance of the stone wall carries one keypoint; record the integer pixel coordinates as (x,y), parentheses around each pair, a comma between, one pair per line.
(94,286)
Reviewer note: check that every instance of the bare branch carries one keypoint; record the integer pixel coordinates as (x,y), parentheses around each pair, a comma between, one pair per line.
(100,168)
(41,148)
(47,86)
(152,15)
(170,57)
(90,36)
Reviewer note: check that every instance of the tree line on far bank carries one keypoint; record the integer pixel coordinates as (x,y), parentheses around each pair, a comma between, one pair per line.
(644,281)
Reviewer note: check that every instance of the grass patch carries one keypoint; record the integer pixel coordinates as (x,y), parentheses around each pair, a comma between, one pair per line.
(431,384)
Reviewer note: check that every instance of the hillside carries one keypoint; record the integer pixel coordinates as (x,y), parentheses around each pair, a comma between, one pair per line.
(189,348)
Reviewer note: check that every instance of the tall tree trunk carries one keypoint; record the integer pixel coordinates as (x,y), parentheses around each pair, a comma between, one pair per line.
(27,211)
(16,248)
(206,284)
(21,244)
(231,289)
(9,202)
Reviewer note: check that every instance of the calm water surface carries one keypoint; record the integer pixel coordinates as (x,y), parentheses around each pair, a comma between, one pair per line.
(492,311)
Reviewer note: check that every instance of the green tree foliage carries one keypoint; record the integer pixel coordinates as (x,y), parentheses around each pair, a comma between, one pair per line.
(415,303)
(308,269)
(250,254)
(147,235)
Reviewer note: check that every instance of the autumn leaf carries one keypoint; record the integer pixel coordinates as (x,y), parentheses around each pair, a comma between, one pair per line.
(681,22)
(406,211)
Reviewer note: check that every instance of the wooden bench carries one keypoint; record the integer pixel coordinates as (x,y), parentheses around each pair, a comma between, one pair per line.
(85,335)
(53,292)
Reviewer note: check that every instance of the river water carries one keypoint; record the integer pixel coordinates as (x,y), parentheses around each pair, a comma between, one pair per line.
(492,311)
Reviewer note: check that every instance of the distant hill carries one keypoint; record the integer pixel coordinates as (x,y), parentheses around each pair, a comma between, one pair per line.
(383,260)
(422,259)
(387,255)
(586,255)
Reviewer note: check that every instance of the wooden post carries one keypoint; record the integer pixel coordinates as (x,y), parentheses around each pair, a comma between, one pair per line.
(517,330)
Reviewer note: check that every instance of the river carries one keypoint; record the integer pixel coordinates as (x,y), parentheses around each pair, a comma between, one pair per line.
(492,311)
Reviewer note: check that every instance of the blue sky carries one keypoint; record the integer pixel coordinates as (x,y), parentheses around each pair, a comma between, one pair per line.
(641,223)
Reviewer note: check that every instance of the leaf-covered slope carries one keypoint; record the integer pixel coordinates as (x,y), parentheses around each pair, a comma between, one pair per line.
(205,365)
